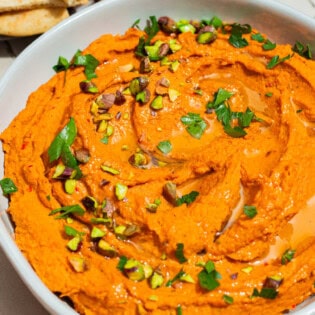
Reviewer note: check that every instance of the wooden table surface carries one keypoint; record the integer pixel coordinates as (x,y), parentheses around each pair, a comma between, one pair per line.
(15,298)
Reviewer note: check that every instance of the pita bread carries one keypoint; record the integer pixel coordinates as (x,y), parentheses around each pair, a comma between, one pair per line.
(31,22)
(15,5)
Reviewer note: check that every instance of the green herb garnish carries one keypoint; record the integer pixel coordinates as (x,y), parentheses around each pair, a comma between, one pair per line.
(88,61)
(236,38)
(287,256)
(208,277)
(258,37)
(226,116)
(269,94)
(250,211)
(60,147)
(275,60)
(302,50)
(268,45)
(7,185)
(228,299)
(188,198)
(165,146)
(121,263)
(179,310)
(151,30)
(267,293)
(195,125)
(66,211)
(179,253)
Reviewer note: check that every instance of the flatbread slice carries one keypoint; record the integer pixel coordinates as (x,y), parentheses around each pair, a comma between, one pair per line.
(17,5)
(31,22)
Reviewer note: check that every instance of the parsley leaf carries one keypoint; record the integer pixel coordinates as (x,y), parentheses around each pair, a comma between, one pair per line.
(151,30)
(258,37)
(268,45)
(236,38)
(208,277)
(60,147)
(8,186)
(70,231)
(267,293)
(287,256)
(250,211)
(88,61)
(188,198)
(195,124)
(66,211)
(165,146)
(122,262)
(179,310)
(64,138)
(227,299)
(275,60)
(302,51)
(226,116)
(179,253)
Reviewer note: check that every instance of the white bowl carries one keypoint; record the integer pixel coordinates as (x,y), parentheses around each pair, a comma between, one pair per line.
(34,67)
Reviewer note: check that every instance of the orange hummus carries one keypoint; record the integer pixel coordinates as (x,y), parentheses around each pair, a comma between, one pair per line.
(187,184)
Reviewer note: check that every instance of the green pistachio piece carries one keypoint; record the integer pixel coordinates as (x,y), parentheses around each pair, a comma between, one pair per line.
(156,280)
(157,103)
(97,233)
(70,185)
(74,243)
(77,263)
(104,248)
(121,191)
(110,170)
(133,269)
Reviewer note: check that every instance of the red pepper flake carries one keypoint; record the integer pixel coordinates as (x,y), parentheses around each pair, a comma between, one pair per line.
(30,166)
(24,144)
(293,306)
(30,188)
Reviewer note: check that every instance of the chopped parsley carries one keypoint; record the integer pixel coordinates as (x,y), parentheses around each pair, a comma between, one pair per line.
(188,198)
(66,211)
(179,253)
(226,116)
(121,263)
(208,277)
(165,146)
(258,37)
(266,293)
(302,50)
(88,61)
(7,185)
(268,45)
(179,310)
(177,277)
(195,125)
(236,38)
(250,211)
(60,147)
(275,60)
(227,299)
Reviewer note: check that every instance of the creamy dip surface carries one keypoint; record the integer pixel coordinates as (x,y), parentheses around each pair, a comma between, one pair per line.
(170,171)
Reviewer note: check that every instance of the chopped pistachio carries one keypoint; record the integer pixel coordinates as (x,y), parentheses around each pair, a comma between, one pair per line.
(186,278)
(247,270)
(120,191)
(133,269)
(148,271)
(104,248)
(97,233)
(105,116)
(169,192)
(165,62)
(174,45)
(82,155)
(88,87)
(173,94)
(102,126)
(70,185)
(153,298)
(94,108)
(126,68)
(143,96)
(110,170)
(156,280)
(120,229)
(174,66)
(74,243)
(77,263)
(90,203)
(58,170)
(157,103)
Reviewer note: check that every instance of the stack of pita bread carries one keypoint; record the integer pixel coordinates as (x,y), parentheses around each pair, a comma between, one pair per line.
(31,17)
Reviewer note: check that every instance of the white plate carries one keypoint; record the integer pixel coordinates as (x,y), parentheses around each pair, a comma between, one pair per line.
(34,67)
